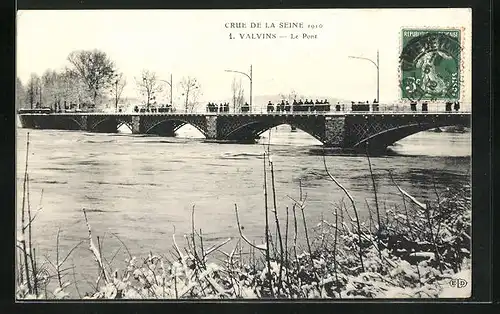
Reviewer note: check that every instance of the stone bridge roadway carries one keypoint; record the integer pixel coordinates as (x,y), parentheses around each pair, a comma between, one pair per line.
(350,130)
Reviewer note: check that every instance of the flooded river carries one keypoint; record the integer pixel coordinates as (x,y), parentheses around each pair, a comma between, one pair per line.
(142,187)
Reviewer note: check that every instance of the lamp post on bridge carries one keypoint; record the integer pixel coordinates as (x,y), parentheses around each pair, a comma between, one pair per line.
(250,78)
(116,96)
(376,64)
(170,84)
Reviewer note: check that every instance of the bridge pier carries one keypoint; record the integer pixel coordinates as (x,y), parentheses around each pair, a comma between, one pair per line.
(136,124)
(28,121)
(83,121)
(334,131)
(211,127)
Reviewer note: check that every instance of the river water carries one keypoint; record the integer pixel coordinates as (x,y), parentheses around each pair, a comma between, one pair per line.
(142,187)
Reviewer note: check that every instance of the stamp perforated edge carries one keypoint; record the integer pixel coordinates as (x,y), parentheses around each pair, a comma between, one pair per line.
(461,62)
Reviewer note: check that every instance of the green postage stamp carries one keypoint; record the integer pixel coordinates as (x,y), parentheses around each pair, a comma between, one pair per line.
(430,64)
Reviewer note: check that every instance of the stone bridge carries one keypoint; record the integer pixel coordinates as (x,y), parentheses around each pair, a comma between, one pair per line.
(352,130)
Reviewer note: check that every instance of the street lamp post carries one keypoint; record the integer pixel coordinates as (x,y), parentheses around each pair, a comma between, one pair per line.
(376,64)
(116,96)
(170,84)
(250,78)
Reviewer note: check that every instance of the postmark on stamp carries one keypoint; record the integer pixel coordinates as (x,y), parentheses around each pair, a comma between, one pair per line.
(430,64)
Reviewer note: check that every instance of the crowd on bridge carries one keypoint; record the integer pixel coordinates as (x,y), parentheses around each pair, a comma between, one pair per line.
(425,106)
(162,108)
(361,106)
(213,107)
(305,106)
(282,107)
(299,106)
(224,107)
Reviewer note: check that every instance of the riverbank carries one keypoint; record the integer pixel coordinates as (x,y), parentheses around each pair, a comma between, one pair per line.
(341,263)
(412,249)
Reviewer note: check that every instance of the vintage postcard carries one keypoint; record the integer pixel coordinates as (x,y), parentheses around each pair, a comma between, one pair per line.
(243,154)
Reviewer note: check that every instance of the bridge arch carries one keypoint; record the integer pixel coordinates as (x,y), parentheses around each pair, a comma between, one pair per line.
(381,140)
(173,124)
(95,124)
(108,123)
(75,124)
(121,123)
(253,129)
(286,133)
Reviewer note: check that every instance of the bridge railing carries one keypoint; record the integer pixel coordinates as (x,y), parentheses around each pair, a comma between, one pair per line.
(333,109)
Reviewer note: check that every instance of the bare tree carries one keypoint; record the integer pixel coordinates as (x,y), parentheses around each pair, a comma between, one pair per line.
(117,88)
(195,95)
(95,69)
(20,94)
(290,97)
(71,87)
(190,88)
(238,94)
(77,91)
(34,90)
(51,88)
(63,88)
(149,86)
(241,98)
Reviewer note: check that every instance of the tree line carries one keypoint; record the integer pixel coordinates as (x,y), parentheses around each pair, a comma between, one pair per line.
(92,79)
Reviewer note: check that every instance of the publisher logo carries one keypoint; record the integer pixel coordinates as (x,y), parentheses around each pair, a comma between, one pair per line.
(458,283)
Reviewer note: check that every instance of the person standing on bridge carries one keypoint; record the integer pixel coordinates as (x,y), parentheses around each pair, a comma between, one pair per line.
(245,107)
(448,106)
(456,106)
(425,107)
(306,103)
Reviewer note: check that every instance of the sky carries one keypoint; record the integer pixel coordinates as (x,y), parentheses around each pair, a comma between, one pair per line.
(197,43)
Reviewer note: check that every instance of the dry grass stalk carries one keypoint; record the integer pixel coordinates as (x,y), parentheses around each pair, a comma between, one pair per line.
(95,251)
(266,210)
(353,206)
(276,221)
(23,226)
(379,227)
(241,232)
